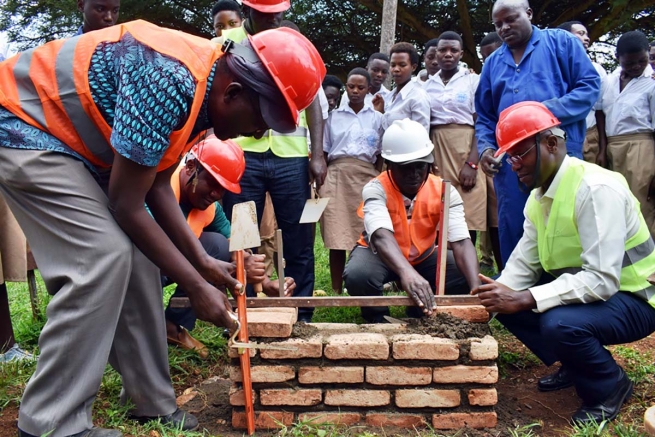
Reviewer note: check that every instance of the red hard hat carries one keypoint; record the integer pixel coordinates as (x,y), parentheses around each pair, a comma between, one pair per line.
(294,63)
(520,121)
(223,160)
(268,6)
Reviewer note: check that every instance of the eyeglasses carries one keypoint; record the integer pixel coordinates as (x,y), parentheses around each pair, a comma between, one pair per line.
(518,159)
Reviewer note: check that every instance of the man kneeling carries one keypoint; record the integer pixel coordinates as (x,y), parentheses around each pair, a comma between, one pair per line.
(401,210)
(583,227)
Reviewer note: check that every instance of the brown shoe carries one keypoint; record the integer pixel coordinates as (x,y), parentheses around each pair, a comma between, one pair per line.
(186,341)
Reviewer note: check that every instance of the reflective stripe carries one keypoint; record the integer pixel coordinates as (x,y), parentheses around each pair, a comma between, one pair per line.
(570,270)
(30,101)
(639,252)
(647,293)
(299,132)
(94,141)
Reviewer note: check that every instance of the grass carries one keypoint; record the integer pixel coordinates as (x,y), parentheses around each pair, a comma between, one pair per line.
(187,370)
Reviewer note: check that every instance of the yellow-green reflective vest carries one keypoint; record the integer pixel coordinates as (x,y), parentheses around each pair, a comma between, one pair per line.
(293,145)
(559,242)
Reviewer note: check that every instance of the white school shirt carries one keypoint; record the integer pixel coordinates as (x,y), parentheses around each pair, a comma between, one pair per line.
(350,135)
(411,102)
(606,215)
(631,111)
(453,103)
(591,117)
(368,99)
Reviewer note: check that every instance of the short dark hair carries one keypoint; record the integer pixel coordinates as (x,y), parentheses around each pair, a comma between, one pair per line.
(568,25)
(226,5)
(359,71)
(632,42)
(490,38)
(332,80)
(449,35)
(431,43)
(380,56)
(405,47)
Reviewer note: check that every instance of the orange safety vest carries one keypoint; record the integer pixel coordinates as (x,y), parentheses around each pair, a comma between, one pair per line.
(421,231)
(197,219)
(48,87)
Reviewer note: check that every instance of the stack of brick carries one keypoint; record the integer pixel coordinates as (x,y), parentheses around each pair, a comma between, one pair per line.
(375,375)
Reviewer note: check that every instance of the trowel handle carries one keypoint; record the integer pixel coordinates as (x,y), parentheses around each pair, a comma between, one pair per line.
(258,288)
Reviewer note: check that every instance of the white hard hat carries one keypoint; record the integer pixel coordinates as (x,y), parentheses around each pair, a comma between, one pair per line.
(407,141)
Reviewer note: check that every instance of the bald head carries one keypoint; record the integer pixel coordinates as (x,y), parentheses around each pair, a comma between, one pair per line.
(513,22)
(519,4)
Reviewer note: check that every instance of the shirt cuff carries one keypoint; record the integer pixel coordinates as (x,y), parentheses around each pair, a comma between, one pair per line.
(546,297)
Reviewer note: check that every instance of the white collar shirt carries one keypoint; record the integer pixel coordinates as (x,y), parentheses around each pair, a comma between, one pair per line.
(368,100)
(632,110)
(454,102)
(591,117)
(411,102)
(351,135)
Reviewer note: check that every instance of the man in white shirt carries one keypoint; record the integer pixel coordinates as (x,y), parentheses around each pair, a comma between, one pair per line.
(378,69)
(401,210)
(576,281)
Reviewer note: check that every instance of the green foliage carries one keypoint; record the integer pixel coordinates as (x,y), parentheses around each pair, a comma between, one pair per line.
(606,429)
(524,431)
(640,367)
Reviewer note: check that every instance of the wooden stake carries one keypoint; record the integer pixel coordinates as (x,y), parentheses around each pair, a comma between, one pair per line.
(442,254)
(279,246)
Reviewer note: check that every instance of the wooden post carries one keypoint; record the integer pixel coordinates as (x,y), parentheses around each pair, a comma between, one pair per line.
(388,32)
(442,254)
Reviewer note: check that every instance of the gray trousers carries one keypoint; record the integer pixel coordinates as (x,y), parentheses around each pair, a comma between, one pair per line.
(107,304)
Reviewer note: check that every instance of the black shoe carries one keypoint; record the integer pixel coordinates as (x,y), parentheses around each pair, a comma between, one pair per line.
(179,420)
(610,407)
(555,381)
(93,432)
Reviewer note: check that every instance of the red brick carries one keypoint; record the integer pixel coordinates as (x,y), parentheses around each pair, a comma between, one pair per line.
(357,398)
(305,348)
(397,375)
(424,347)
(270,325)
(330,375)
(357,346)
(461,420)
(483,348)
(424,398)
(347,419)
(465,374)
(483,397)
(292,311)
(396,420)
(472,313)
(263,419)
(289,396)
(265,373)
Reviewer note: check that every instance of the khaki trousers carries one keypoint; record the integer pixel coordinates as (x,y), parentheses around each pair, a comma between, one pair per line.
(591,146)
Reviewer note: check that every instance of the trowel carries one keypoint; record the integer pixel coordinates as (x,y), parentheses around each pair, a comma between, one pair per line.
(245,230)
(314,208)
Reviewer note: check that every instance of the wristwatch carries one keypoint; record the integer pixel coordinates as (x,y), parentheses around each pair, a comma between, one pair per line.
(473,166)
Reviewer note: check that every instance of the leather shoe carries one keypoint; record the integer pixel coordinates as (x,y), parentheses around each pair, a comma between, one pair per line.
(555,381)
(179,420)
(610,407)
(184,340)
(93,432)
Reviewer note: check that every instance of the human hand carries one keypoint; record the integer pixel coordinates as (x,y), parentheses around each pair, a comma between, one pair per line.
(255,268)
(489,164)
(498,298)
(211,305)
(601,160)
(378,103)
(272,288)
(220,273)
(467,177)
(317,170)
(419,290)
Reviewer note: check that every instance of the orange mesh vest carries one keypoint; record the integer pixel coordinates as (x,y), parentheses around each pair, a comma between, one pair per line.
(48,87)
(197,219)
(421,231)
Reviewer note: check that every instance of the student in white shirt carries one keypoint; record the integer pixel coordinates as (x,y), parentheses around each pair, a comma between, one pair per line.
(452,93)
(352,147)
(407,100)
(594,149)
(430,61)
(378,68)
(332,86)
(628,101)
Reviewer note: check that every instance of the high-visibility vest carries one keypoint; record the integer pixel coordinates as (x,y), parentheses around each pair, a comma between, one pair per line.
(48,87)
(559,241)
(293,145)
(197,219)
(421,231)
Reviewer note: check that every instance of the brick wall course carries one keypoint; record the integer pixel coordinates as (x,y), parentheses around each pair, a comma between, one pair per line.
(424,347)
(357,346)
(330,375)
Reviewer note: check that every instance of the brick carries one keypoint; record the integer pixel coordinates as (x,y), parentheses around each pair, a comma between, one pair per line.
(472,313)
(327,327)
(483,397)
(237,398)
(357,398)
(483,348)
(465,374)
(649,421)
(270,324)
(424,347)
(461,420)
(293,311)
(263,419)
(398,375)
(396,420)
(331,375)
(289,396)
(305,348)
(347,419)
(233,352)
(358,346)
(265,373)
(427,398)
